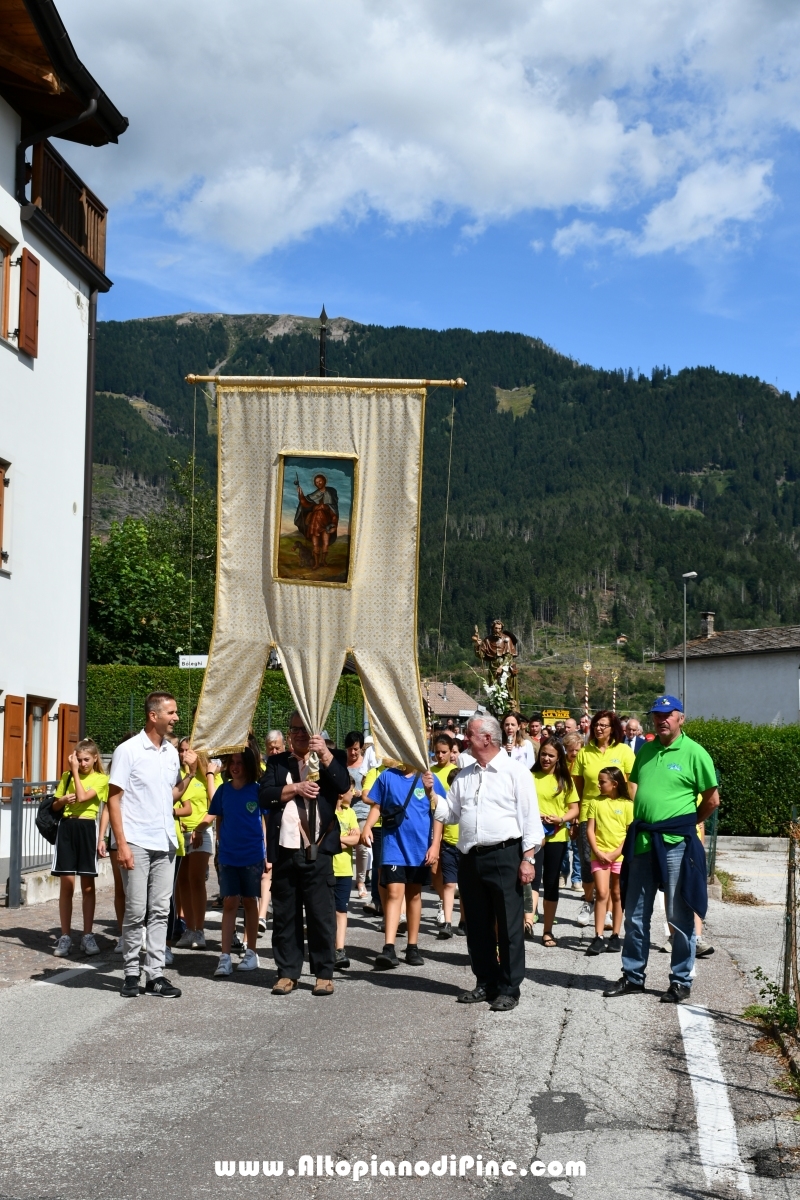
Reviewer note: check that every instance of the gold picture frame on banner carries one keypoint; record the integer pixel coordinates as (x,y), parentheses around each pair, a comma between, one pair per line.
(316,504)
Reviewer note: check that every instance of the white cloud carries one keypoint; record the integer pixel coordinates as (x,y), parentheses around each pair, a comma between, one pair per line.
(254,124)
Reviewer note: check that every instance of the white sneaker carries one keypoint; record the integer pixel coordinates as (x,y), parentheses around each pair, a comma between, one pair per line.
(118,947)
(169,957)
(249,962)
(186,940)
(586,914)
(238,944)
(199,941)
(64,946)
(609,921)
(439,918)
(577,887)
(223,966)
(89,945)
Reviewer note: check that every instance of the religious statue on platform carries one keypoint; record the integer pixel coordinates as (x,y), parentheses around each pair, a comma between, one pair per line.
(497,652)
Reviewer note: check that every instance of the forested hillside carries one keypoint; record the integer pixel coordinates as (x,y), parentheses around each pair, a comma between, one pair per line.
(582,512)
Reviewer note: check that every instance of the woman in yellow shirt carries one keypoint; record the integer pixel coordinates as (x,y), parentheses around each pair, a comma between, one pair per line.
(191,883)
(558,805)
(79,795)
(606,748)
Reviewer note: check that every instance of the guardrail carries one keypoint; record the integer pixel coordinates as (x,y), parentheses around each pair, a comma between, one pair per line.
(22,847)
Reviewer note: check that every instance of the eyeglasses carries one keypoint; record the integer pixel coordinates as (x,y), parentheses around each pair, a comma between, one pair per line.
(297,729)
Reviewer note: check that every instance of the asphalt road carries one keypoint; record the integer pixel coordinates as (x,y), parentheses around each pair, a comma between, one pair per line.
(101,1097)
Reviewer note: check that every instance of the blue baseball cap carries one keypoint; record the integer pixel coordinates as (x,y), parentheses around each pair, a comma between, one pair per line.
(665,704)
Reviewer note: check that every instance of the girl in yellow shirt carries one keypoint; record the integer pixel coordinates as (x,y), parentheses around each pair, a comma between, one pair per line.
(558,805)
(79,795)
(608,818)
(191,897)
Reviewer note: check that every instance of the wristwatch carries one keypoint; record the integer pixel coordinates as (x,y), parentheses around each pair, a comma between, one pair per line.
(531,862)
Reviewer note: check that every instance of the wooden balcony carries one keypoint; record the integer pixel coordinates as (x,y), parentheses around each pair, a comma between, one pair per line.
(65,199)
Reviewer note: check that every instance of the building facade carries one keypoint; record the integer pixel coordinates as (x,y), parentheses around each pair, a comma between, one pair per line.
(52,266)
(751,675)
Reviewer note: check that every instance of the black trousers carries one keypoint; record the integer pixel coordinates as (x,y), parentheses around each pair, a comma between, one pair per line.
(548,868)
(299,885)
(491,897)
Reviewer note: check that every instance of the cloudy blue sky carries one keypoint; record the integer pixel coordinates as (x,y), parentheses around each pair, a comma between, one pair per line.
(618,177)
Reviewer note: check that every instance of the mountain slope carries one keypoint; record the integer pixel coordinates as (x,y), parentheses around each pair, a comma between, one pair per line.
(582,511)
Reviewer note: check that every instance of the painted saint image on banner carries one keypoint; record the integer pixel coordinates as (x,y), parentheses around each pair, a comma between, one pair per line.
(315,519)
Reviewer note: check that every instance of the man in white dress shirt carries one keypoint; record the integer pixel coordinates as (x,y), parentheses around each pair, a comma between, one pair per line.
(144,784)
(494,802)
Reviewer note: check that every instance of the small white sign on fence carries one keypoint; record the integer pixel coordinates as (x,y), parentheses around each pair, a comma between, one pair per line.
(193,661)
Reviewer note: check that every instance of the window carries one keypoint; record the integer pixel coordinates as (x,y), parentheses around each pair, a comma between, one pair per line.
(4,482)
(36,739)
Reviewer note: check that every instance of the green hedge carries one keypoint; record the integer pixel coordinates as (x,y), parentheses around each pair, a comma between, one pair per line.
(116,694)
(759,769)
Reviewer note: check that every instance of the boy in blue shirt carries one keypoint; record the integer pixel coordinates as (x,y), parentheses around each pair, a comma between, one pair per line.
(408,852)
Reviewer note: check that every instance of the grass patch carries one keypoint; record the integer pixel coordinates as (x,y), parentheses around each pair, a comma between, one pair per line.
(515,400)
(731,893)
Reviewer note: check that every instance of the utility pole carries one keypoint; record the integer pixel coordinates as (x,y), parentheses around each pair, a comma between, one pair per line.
(686,577)
(323,333)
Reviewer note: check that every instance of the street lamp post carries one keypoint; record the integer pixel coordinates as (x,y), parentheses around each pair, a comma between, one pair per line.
(686,577)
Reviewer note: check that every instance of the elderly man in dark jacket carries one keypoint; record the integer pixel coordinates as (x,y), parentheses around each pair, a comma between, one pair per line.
(302,837)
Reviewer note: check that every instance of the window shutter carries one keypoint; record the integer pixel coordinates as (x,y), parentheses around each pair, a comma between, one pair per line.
(28,340)
(13,738)
(69,724)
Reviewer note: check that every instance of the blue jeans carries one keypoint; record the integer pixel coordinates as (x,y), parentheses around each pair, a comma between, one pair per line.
(638,913)
(576,861)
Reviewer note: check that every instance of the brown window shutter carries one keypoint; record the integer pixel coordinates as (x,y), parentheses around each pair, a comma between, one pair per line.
(13,738)
(69,724)
(28,340)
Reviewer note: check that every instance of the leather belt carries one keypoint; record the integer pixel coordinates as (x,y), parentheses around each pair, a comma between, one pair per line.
(517,841)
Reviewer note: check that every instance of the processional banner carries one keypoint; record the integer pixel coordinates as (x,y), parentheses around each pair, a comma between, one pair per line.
(319,516)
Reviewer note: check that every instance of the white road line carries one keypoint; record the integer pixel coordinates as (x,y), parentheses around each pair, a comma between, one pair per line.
(63,976)
(716,1128)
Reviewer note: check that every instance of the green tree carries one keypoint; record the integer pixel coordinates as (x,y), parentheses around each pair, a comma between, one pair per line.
(137,599)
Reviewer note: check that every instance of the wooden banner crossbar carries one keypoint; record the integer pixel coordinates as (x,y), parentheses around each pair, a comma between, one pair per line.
(328,381)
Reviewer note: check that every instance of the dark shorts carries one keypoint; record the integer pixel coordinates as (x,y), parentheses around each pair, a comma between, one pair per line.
(240,881)
(448,862)
(392,874)
(75,850)
(342,887)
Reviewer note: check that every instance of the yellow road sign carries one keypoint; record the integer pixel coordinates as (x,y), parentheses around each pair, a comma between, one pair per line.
(555,714)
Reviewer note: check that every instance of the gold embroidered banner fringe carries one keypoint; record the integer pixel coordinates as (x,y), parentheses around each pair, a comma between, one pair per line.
(319,511)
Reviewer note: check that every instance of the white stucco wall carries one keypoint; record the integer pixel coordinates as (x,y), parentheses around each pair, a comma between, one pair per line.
(759,688)
(42,430)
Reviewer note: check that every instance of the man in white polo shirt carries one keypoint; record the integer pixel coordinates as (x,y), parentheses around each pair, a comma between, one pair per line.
(144,784)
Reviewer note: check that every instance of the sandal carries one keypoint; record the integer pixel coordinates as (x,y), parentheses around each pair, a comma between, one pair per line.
(529,929)
(323,987)
(548,941)
(284,986)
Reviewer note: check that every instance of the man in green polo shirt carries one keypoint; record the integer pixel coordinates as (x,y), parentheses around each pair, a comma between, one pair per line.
(667,777)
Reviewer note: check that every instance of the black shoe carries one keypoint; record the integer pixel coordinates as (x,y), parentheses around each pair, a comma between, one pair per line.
(162,987)
(596,946)
(130,986)
(342,962)
(370,910)
(445,932)
(623,987)
(476,996)
(676,993)
(461,929)
(387,959)
(413,956)
(503,1004)
(614,944)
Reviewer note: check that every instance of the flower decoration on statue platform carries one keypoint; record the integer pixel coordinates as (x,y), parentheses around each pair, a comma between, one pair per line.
(497,653)
(498,698)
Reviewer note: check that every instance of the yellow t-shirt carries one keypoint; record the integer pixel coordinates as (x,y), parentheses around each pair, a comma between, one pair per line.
(343,863)
(590,762)
(551,804)
(96,782)
(369,779)
(197,795)
(181,851)
(450,832)
(611,821)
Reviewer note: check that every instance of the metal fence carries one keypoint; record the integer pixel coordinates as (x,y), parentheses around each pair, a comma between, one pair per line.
(22,847)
